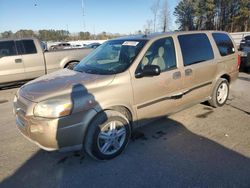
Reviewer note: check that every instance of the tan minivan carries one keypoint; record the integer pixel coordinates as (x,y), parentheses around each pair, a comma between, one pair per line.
(125,83)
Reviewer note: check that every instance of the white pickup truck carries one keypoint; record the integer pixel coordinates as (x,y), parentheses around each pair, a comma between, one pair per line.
(26,59)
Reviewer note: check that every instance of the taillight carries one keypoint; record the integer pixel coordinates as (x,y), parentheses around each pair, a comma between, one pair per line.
(239,61)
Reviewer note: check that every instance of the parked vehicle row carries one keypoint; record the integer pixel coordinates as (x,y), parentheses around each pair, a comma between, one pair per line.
(245,53)
(123,84)
(245,42)
(60,46)
(26,59)
(65,46)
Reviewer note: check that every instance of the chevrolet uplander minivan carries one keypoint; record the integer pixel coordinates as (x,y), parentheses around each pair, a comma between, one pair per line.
(123,84)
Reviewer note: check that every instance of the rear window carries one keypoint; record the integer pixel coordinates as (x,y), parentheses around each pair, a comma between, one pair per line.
(29,47)
(195,48)
(7,48)
(223,43)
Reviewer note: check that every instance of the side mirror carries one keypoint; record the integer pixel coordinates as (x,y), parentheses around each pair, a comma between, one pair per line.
(148,71)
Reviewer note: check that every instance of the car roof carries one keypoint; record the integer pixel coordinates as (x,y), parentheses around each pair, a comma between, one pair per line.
(17,38)
(160,35)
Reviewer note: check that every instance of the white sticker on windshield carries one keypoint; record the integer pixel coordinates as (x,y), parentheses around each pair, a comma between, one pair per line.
(130,43)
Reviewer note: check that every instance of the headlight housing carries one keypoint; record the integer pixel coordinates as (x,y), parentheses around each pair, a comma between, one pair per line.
(53,108)
(15,99)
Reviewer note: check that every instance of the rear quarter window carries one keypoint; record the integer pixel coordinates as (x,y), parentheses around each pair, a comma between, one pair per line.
(7,48)
(195,48)
(224,43)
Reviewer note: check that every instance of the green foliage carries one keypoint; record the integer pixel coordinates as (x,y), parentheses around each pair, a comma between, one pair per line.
(24,33)
(53,35)
(57,35)
(227,15)
(84,35)
(7,34)
(185,13)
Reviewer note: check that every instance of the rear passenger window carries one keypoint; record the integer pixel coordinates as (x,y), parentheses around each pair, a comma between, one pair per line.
(29,47)
(195,48)
(161,53)
(223,43)
(7,48)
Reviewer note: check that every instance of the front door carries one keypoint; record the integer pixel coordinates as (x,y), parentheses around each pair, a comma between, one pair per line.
(155,96)
(32,57)
(11,64)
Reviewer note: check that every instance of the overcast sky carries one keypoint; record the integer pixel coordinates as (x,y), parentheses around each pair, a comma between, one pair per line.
(115,16)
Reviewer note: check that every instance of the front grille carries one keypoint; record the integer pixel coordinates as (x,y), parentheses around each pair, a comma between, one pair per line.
(20,108)
(21,105)
(21,118)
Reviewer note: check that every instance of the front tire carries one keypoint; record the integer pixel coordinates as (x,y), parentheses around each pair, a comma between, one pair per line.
(107,135)
(220,93)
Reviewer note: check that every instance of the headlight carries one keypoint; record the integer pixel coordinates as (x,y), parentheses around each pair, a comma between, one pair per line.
(14,104)
(53,108)
(15,99)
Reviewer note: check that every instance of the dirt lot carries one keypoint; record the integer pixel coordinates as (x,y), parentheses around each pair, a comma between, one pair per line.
(198,147)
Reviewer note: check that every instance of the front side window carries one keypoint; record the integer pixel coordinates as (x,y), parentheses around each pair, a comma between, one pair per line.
(112,57)
(195,48)
(161,53)
(7,48)
(223,43)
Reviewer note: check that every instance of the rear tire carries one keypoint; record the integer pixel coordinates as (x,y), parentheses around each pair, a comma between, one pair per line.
(220,93)
(107,136)
(71,65)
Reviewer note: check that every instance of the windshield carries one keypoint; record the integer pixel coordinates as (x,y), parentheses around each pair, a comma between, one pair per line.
(247,37)
(112,57)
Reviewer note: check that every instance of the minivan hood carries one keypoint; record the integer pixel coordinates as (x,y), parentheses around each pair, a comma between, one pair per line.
(61,83)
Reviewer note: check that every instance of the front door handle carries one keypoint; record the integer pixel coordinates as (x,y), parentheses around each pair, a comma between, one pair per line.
(177,75)
(188,72)
(18,60)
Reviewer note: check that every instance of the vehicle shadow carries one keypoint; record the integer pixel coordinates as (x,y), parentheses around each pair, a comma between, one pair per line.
(13,86)
(161,154)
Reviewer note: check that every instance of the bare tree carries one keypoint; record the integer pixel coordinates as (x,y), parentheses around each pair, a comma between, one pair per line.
(148,27)
(165,16)
(155,9)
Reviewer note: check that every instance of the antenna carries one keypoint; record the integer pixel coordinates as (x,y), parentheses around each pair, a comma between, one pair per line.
(83,14)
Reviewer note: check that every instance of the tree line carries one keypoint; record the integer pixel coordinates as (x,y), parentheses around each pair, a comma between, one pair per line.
(226,15)
(57,35)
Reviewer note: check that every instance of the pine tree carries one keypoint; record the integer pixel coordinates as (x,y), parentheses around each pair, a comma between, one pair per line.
(185,14)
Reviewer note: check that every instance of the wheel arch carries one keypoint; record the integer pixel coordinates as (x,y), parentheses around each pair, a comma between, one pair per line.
(119,108)
(123,110)
(227,77)
(71,61)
